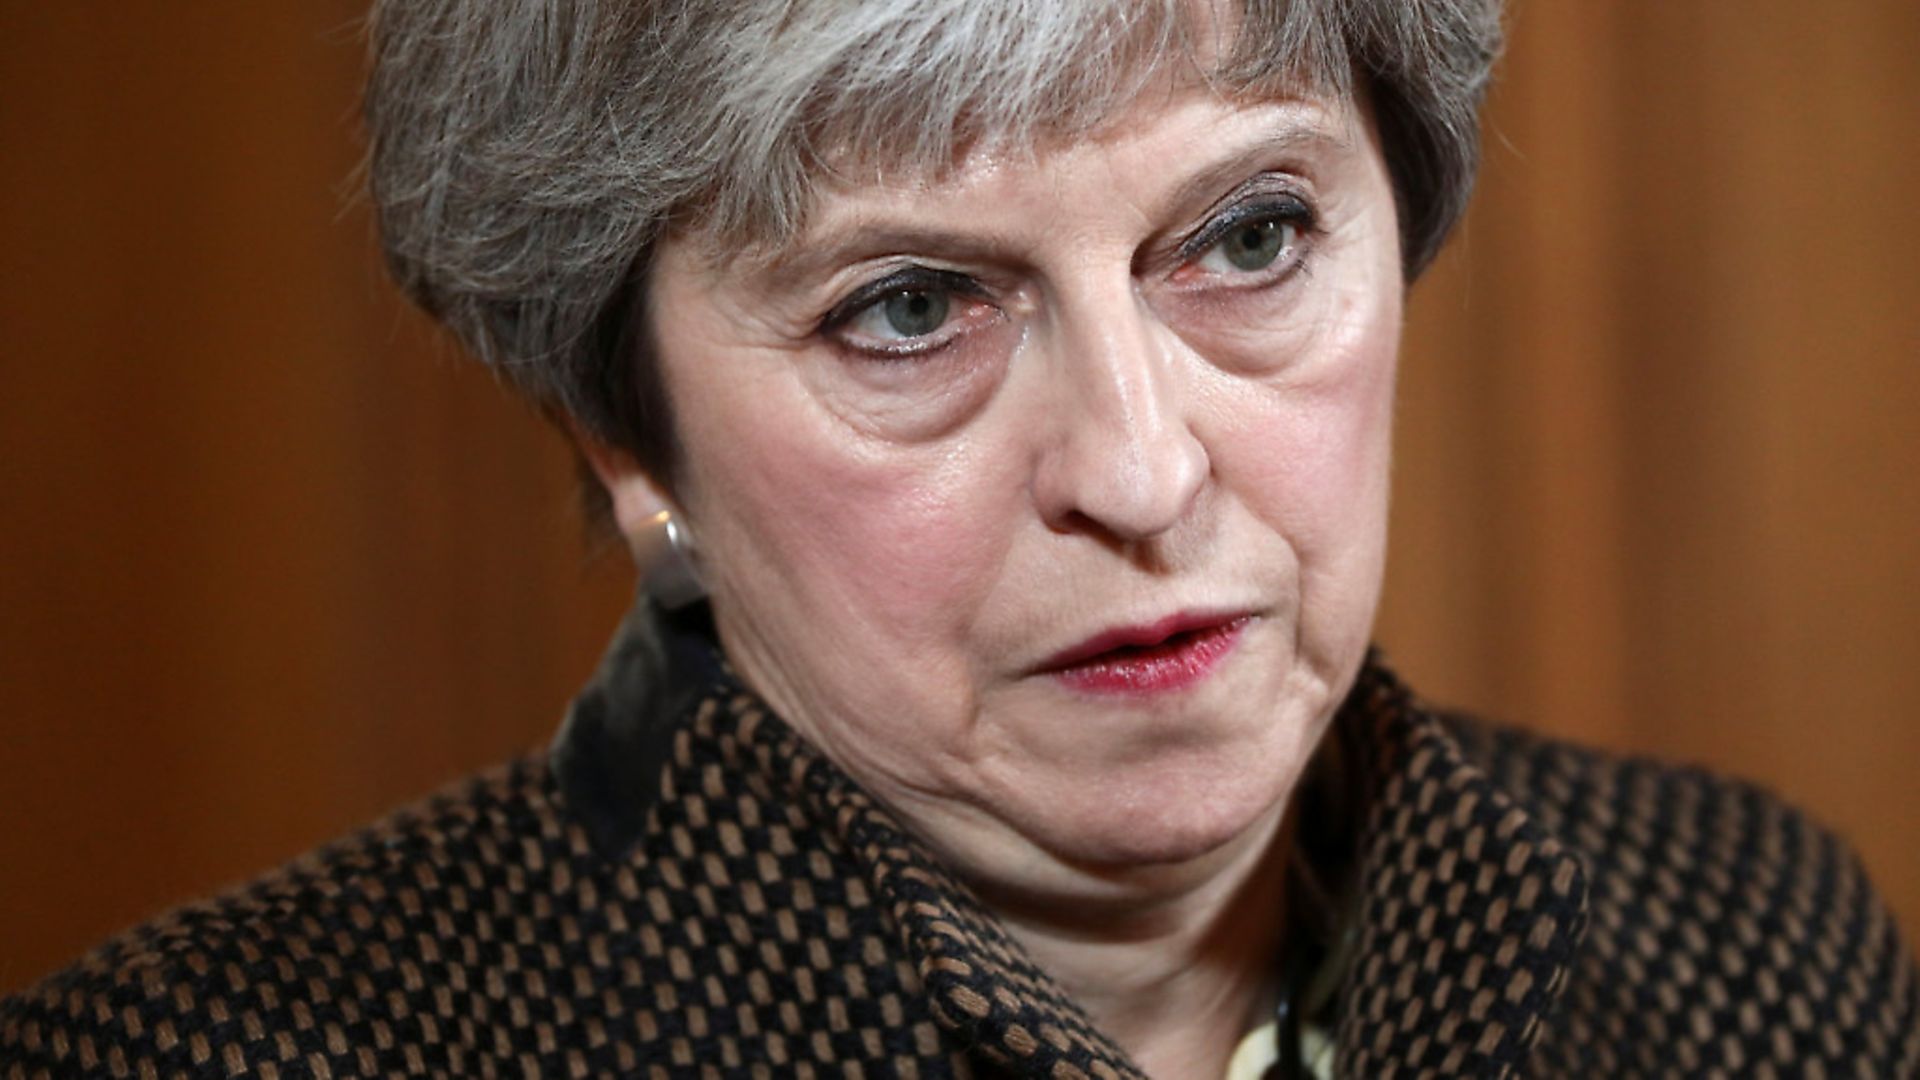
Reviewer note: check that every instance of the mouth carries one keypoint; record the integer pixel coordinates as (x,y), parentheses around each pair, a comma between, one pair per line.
(1171,654)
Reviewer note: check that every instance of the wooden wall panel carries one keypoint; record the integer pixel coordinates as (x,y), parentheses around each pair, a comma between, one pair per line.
(272,559)
(1661,405)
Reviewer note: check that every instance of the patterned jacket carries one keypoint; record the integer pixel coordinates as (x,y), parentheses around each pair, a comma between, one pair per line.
(683,887)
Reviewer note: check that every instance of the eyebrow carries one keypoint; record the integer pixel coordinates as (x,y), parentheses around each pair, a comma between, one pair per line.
(813,251)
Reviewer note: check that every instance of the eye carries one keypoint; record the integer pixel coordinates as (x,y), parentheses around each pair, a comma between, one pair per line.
(1251,246)
(1261,238)
(911,311)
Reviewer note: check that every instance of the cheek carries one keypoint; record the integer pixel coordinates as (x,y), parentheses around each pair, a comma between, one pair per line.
(1323,437)
(1310,456)
(863,549)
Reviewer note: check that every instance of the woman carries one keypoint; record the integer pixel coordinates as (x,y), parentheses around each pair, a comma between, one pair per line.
(1016,381)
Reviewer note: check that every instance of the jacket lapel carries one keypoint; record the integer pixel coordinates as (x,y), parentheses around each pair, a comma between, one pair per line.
(1470,910)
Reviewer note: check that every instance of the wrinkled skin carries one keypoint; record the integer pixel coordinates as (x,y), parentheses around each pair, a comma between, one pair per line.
(1107,420)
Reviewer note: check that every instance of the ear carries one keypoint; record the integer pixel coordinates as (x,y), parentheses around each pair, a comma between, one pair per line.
(639,503)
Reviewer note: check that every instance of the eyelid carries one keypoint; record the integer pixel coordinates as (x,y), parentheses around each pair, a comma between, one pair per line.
(905,279)
(1283,205)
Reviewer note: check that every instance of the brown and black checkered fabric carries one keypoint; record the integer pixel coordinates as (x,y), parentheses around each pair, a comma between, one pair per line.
(683,887)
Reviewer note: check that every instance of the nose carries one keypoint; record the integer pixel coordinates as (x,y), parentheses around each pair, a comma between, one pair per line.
(1118,454)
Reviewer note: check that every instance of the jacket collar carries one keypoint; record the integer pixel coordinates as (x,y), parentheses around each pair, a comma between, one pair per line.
(1468,910)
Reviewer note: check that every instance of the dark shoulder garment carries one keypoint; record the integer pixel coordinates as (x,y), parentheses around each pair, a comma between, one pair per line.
(685,888)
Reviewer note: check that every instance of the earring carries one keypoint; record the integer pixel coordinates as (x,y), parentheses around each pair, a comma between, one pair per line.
(672,580)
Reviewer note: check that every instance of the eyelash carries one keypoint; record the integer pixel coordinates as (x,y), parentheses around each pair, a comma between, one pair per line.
(911,279)
(1285,208)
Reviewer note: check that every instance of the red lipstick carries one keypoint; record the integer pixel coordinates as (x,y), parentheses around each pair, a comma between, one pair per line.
(1170,654)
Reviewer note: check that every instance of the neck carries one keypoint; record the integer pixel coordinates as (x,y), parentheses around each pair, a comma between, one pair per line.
(1178,976)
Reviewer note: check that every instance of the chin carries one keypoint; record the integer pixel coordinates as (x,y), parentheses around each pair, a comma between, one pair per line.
(1176,813)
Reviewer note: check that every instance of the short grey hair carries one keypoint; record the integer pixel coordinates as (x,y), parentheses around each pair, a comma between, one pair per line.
(527,154)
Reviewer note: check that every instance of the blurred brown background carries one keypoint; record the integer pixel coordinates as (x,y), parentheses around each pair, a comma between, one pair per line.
(272,559)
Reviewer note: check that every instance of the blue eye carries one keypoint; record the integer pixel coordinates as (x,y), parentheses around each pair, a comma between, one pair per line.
(1252,238)
(1253,245)
(914,310)
(909,313)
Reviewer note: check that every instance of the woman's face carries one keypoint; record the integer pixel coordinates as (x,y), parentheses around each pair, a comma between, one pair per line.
(1048,497)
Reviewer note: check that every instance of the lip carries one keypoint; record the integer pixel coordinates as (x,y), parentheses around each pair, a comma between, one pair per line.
(1152,658)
